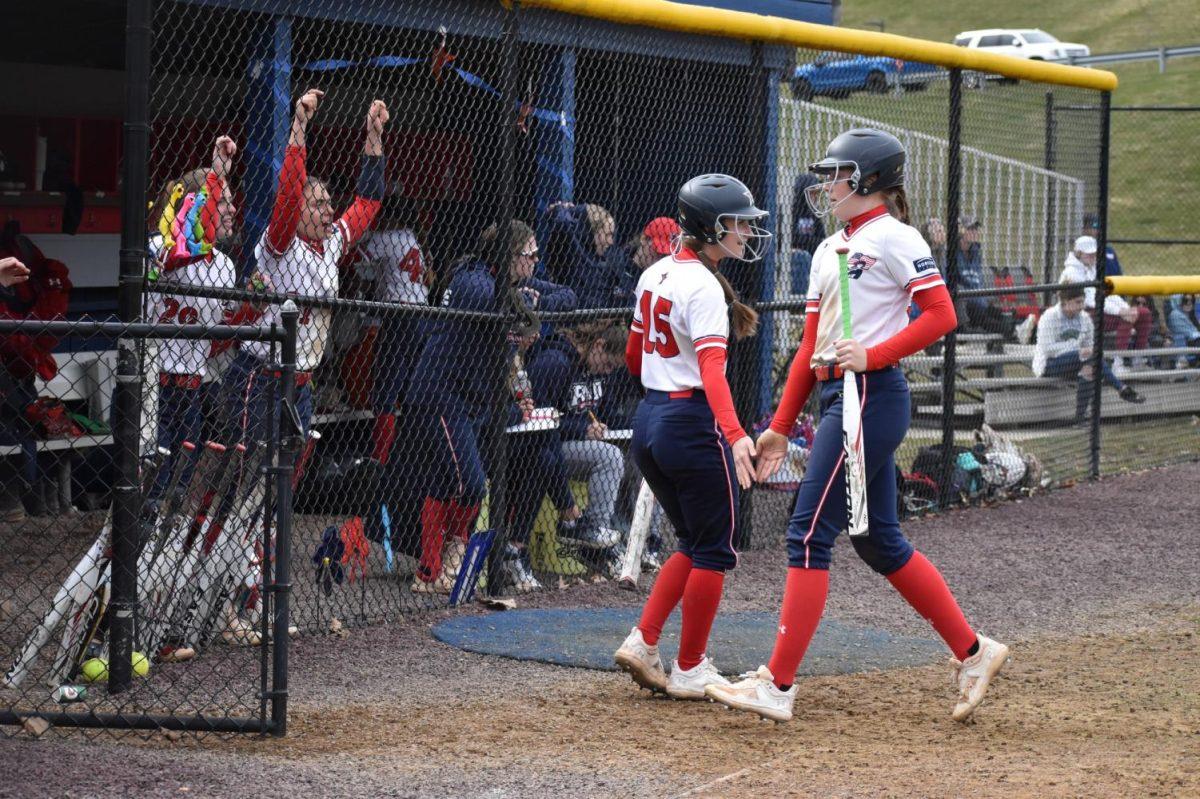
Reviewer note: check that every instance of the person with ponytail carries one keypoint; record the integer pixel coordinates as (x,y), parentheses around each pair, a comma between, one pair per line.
(687,440)
(889,266)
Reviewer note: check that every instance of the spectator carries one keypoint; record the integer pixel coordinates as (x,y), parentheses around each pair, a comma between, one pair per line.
(581,254)
(807,232)
(299,254)
(187,255)
(981,312)
(934,233)
(569,373)
(1119,315)
(400,277)
(1065,345)
(1179,310)
(656,240)
(12,272)
(1091,227)
(453,391)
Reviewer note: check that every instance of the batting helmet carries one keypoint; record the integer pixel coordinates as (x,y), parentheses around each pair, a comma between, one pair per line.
(875,157)
(707,199)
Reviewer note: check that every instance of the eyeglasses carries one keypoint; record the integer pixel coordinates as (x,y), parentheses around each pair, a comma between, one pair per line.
(534,254)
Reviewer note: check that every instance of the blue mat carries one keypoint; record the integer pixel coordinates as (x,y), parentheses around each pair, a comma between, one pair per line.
(739,642)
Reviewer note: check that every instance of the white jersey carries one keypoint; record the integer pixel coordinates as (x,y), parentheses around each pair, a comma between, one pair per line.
(399,266)
(190,357)
(301,271)
(889,263)
(681,311)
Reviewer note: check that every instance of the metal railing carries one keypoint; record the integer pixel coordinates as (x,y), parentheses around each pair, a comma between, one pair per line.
(1160,54)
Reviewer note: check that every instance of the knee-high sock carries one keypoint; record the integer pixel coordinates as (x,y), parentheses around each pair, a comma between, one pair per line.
(803,604)
(922,586)
(434,514)
(460,518)
(667,591)
(701,597)
(382,437)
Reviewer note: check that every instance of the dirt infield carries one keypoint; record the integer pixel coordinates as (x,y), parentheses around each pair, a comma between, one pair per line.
(1096,587)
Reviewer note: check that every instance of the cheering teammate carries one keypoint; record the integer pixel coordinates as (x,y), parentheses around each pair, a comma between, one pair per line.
(299,254)
(890,265)
(687,440)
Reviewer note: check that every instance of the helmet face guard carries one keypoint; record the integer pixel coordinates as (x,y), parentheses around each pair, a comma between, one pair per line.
(829,169)
(754,241)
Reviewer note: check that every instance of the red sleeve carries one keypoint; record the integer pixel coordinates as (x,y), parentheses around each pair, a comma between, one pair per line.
(285,216)
(633,353)
(936,320)
(716,388)
(800,379)
(357,219)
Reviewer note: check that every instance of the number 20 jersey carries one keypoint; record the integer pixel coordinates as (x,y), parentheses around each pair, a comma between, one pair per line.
(681,311)
(183,356)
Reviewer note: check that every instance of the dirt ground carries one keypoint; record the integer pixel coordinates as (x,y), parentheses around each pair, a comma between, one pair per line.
(1095,587)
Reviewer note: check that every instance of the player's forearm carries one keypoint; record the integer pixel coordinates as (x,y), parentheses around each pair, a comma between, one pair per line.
(633,353)
(800,380)
(716,390)
(298,134)
(285,216)
(936,320)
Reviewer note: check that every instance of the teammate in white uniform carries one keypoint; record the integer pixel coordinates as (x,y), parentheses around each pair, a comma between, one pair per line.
(687,440)
(890,266)
(299,254)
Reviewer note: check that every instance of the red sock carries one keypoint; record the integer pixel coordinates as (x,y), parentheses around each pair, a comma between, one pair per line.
(701,597)
(922,586)
(668,588)
(433,530)
(460,519)
(803,604)
(383,435)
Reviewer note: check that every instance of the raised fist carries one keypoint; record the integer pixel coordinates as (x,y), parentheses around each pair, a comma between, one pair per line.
(223,152)
(306,106)
(377,117)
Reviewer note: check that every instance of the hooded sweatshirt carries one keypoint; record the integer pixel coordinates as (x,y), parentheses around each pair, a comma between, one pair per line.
(1076,271)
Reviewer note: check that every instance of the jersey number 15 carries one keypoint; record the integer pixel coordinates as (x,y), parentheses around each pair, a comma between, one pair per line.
(656,327)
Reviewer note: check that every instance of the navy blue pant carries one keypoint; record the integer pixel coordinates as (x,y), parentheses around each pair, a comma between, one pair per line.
(820,512)
(180,418)
(396,353)
(1068,365)
(245,389)
(688,464)
(453,451)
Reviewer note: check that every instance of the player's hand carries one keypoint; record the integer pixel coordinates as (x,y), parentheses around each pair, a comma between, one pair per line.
(222,158)
(306,106)
(377,117)
(772,449)
(851,355)
(743,460)
(596,431)
(570,514)
(12,272)
(526,406)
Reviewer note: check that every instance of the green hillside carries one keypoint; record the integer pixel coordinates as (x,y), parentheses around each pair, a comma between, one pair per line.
(1152,155)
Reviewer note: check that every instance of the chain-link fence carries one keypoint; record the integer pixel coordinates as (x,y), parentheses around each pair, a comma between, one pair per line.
(125,563)
(461,201)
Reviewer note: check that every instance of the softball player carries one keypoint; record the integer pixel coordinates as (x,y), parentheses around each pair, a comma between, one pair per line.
(890,266)
(687,440)
(299,254)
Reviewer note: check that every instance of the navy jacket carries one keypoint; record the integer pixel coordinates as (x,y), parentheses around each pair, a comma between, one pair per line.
(459,354)
(599,281)
(560,379)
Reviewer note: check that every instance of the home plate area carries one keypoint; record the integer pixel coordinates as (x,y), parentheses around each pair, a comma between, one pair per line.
(740,642)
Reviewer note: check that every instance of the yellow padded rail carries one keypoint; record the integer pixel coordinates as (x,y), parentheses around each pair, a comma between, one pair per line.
(1161,284)
(757,27)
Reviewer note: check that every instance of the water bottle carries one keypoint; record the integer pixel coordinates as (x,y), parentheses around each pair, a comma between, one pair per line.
(70,693)
(521,386)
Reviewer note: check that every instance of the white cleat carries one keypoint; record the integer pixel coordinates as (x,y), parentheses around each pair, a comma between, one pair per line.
(974,674)
(641,661)
(691,684)
(756,693)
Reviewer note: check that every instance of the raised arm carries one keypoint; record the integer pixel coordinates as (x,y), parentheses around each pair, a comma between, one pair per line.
(358,217)
(289,198)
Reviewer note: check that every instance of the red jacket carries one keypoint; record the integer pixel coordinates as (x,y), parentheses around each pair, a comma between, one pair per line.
(44,296)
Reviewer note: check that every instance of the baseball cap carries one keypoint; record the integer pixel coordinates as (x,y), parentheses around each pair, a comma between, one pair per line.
(1085,245)
(968,222)
(661,231)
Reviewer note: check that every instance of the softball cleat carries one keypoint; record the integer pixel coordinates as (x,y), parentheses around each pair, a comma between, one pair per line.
(974,674)
(691,683)
(642,662)
(756,693)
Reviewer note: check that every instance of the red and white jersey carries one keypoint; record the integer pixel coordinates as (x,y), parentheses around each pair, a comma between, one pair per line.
(399,266)
(190,357)
(302,271)
(889,262)
(681,311)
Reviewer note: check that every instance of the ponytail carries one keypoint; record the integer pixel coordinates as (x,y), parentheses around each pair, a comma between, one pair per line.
(897,203)
(745,318)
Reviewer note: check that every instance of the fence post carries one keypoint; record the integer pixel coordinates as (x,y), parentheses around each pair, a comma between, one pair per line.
(127,393)
(949,364)
(1101,262)
(281,589)
(498,477)
(1051,197)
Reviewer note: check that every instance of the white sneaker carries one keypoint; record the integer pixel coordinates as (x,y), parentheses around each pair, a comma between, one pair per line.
(974,674)
(641,661)
(1120,368)
(452,558)
(1025,329)
(756,693)
(690,684)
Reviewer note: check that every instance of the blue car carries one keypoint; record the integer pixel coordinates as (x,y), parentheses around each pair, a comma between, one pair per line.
(841,74)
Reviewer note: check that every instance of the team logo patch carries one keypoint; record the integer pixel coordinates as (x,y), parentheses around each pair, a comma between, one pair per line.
(859,263)
(924,264)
